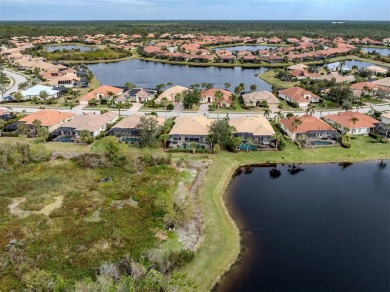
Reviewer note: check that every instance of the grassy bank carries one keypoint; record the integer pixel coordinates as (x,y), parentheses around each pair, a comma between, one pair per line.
(221,245)
(270,78)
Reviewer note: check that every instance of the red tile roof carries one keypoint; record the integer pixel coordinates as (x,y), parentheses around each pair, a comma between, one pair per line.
(104,89)
(345,120)
(309,123)
(297,94)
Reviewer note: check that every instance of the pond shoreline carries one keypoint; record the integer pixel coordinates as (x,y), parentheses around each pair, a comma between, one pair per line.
(234,216)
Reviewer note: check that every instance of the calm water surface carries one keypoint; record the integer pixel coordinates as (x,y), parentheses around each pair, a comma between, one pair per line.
(70,47)
(312,228)
(383,52)
(149,74)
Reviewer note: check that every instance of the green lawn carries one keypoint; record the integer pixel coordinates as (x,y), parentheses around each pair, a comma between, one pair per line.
(269,77)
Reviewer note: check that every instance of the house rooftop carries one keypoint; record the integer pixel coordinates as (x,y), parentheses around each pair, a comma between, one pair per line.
(258,125)
(191,125)
(345,120)
(47,117)
(132,121)
(90,122)
(308,124)
(104,89)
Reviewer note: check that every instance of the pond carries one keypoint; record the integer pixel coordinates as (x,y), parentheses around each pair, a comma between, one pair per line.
(149,74)
(312,228)
(69,48)
(249,48)
(383,52)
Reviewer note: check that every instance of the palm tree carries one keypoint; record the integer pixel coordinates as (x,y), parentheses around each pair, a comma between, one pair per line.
(279,115)
(119,106)
(321,104)
(310,109)
(164,102)
(242,86)
(85,136)
(227,85)
(347,105)
(266,112)
(359,104)
(387,129)
(278,137)
(110,95)
(354,120)
(130,85)
(169,84)
(296,122)
(218,98)
(253,87)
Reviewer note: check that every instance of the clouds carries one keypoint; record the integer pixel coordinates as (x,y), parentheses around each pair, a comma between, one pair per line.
(194,9)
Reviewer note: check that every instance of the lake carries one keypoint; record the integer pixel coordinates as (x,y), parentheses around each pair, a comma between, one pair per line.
(149,74)
(312,228)
(69,48)
(383,52)
(249,48)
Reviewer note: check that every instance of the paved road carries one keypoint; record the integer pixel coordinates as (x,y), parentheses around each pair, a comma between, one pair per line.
(17,78)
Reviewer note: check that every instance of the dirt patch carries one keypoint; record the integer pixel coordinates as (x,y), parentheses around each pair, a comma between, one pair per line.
(47,210)
(190,234)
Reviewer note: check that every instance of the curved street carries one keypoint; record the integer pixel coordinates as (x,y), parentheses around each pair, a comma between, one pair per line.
(16,80)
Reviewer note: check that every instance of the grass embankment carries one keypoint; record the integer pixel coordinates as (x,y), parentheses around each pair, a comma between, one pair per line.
(270,78)
(221,245)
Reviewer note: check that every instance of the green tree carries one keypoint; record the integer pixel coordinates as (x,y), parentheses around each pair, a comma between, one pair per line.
(253,87)
(227,85)
(347,105)
(36,124)
(18,96)
(164,102)
(86,137)
(43,95)
(267,111)
(220,132)
(93,102)
(43,133)
(354,120)
(164,139)
(148,128)
(110,147)
(191,97)
(130,85)
(296,122)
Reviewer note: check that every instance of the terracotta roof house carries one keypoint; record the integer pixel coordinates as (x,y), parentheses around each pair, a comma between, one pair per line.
(298,95)
(126,130)
(361,126)
(171,93)
(361,88)
(50,119)
(93,123)
(190,129)
(256,98)
(102,92)
(208,96)
(256,127)
(315,129)
(337,77)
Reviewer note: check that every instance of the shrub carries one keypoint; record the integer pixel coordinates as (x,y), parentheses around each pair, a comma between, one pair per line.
(170,107)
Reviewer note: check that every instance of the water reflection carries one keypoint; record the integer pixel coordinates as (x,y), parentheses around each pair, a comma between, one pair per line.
(295,169)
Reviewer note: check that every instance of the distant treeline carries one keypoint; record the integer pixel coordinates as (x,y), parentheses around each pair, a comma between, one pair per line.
(283,29)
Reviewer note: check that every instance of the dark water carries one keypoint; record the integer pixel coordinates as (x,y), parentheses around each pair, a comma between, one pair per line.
(383,52)
(314,228)
(69,47)
(149,74)
(249,48)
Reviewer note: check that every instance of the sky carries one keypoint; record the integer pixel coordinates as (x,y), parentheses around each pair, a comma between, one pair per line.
(195,10)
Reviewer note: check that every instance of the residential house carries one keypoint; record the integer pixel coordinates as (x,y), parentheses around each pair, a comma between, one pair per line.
(256,127)
(314,128)
(50,119)
(385,82)
(35,91)
(362,88)
(261,97)
(141,95)
(385,117)
(126,130)
(208,96)
(355,123)
(377,70)
(101,93)
(171,93)
(297,67)
(6,115)
(91,122)
(298,95)
(190,129)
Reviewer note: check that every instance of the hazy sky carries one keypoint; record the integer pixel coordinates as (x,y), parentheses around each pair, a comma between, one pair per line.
(194,9)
